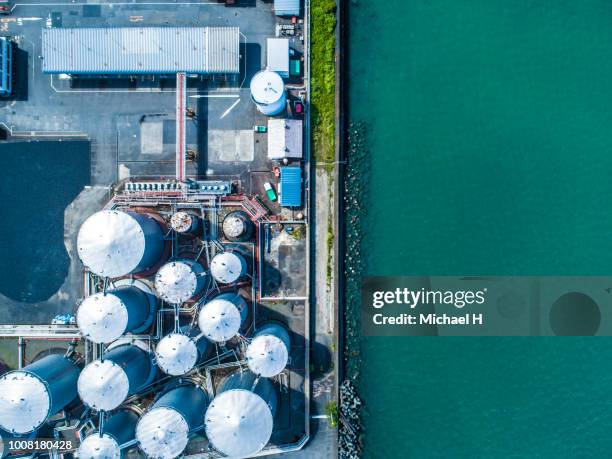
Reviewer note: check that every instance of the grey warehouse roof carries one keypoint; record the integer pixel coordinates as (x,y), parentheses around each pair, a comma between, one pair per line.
(141,50)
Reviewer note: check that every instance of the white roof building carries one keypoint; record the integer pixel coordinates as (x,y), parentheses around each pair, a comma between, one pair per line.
(278,56)
(285,138)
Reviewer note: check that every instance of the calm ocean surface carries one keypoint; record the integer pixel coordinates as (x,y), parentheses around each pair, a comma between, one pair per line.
(489,130)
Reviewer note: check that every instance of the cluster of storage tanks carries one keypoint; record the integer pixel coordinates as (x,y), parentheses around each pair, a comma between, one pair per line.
(238,421)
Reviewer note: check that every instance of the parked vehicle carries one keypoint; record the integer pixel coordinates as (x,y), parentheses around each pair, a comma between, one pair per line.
(270,191)
(64,319)
(5,7)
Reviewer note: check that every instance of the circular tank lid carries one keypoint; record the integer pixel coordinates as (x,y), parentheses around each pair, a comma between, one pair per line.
(267,355)
(219,320)
(102,318)
(99,447)
(226,267)
(181,222)
(103,385)
(233,226)
(111,243)
(163,433)
(267,87)
(176,354)
(24,402)
(238,423)
(176,282)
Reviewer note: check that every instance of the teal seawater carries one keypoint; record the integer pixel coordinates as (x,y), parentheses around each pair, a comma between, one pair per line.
(489,129)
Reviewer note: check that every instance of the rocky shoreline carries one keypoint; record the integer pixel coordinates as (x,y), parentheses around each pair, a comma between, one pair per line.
(350,428)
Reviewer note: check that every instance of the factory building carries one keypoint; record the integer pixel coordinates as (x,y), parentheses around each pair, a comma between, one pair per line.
(125,370)
(141,50)
(240,419)
(228,267)
(6,66)
(277,58)
(290,189)
(112,243)
(179,281)
(287,7)
(268,92)
(105,317)
(179,353)
(28,397)
(163,431)
(221,318)
(285,139)
(268,353)
(237,227)
(119,429)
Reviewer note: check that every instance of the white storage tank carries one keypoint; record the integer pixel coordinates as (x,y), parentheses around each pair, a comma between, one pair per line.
(105,317)
(179,281)
(221,318)
(163,431)
(126,369)
(268,92)
(118,429)
(28,397)
(268,353)
(179,353)
(228,267)
(113,243)
(240,419)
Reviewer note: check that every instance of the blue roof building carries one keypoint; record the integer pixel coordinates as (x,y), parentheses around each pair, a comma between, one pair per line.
(287,7)
(6,66)
(290,186)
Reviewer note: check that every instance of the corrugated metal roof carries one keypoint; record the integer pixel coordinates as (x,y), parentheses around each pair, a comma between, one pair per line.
(284,138)
(287,7)
(290,186)
(138,50)
(278,56)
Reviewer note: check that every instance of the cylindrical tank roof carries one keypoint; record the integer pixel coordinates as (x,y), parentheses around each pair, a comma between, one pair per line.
(97,446)
(267,355)
(183,222)
(163,433)
(25,402)
(238,423)
(176,354)
(234,226)
(103,385)
(227,267)
(177,281)
(102,317)
(219,320)
(267,87)
(113,243)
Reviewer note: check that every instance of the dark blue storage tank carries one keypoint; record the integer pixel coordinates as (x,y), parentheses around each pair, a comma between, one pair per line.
(179,353)
(125,370)
(30,395)
(105,317)
(240,419)
(118,429)
(163,431)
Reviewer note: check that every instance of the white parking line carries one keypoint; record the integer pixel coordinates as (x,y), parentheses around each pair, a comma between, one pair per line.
(213,95)
(226,112)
